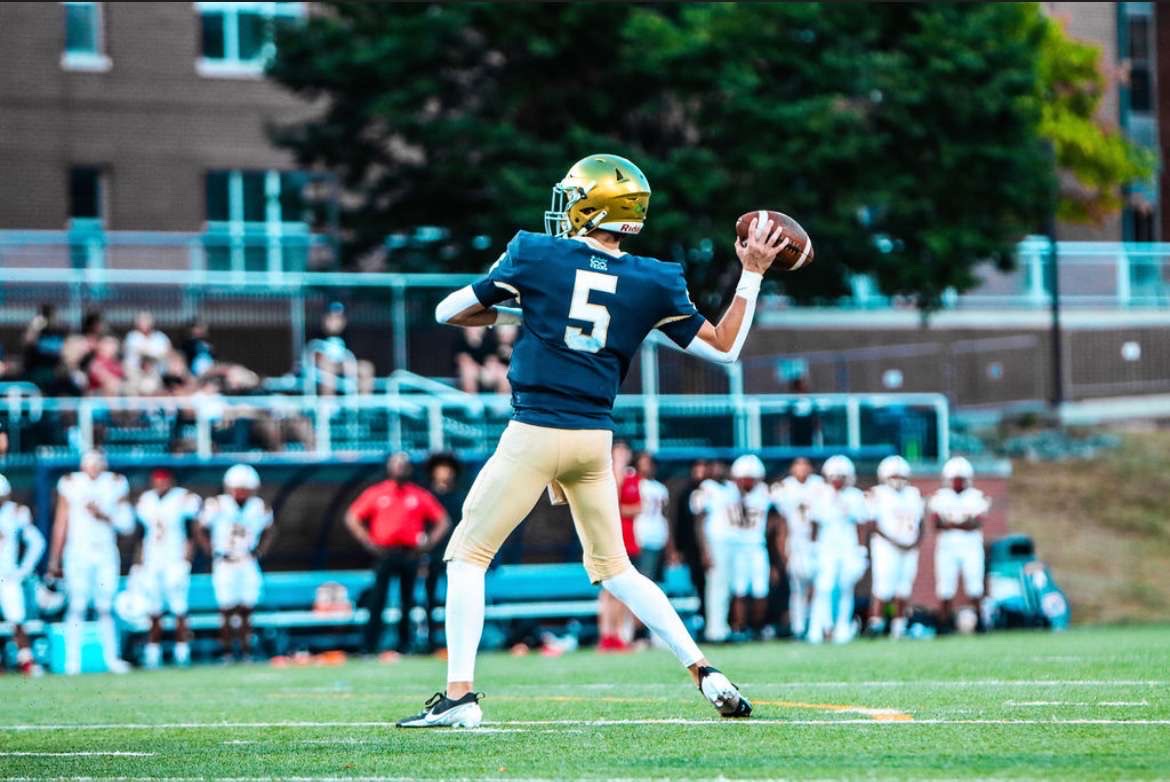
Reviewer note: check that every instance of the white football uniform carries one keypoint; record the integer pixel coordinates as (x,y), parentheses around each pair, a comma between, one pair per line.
(91,561)
(795,501)
(741,524)
(651,529)
(841,559)
(899,518)
(16,526)
(166,571)
(718,589)
(235,530)
(959,551)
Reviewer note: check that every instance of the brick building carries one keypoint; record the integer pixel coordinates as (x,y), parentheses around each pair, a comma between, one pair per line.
(143,116)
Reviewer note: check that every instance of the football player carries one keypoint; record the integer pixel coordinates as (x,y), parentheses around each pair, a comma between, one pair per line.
(16,527)
(841,558)
(236,531)
(741,513)
(585,306)
(897,510)
(92,510)
(651,529)
(957,511)
(166,513)
(795,496)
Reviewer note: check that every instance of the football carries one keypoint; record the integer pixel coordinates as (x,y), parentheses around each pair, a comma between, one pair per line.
(797,254)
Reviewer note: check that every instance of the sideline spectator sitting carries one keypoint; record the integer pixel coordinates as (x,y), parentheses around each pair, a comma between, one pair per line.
(144,341)
(44,341)
(104,372)
(197,349)
(478,362)
(335,352)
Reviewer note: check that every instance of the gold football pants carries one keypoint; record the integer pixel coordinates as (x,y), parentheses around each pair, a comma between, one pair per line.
(528,459)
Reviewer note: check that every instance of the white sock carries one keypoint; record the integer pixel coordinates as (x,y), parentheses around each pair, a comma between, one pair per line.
(652,607)
(73,644)
(109,638)
(464,618)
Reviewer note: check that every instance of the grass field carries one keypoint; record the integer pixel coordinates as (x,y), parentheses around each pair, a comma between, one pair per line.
(1091,703)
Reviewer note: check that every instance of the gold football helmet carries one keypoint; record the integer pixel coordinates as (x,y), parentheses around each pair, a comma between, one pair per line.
(604,192)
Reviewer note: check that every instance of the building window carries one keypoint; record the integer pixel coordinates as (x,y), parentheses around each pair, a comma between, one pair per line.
(85,193)
(87,212)
(237,39)
(84,38)
(1139,39)
(256,220)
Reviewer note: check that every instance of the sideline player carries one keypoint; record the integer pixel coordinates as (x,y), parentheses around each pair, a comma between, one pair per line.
(167,514)
(742,512)
(92,510)
(838,517)
(651,528)
(897,510)
(239,532)
(16,526)
(585,307)
(795,497)
(957,511)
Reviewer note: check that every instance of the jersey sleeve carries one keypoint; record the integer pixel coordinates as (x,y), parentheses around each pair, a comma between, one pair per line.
(502,282)
(207,515)
(64,486)
(679,319)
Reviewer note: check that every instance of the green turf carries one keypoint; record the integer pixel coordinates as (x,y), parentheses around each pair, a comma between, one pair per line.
(1002,706)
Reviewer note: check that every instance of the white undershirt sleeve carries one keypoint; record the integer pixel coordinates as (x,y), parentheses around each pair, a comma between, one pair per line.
(464,299)
(748,290)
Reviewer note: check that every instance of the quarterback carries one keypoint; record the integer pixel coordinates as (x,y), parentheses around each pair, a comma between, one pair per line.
(585,306)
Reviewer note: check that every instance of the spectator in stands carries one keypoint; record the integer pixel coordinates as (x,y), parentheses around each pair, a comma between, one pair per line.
(197,349)
(397,521)
(651,529)
(687,533)
(44,340)
(804,423)
(144,342)
(443,480)
(478,363)
(176,376)
(104,374)
(334,354)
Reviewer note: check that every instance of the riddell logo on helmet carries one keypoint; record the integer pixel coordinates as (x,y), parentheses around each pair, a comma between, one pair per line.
(630,228)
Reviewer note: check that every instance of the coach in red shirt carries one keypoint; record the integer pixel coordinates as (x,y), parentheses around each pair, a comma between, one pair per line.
(398,522)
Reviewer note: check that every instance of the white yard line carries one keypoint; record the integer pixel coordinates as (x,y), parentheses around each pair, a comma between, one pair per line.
(948,683)
(1076,703)
(78,754)
(600,723)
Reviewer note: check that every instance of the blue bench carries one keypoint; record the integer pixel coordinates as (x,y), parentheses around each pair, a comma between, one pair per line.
(545,592)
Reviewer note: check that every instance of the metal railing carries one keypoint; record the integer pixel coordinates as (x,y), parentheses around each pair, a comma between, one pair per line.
(430,420)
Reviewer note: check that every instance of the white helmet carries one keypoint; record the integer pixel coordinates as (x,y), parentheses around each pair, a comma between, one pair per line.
(958,467)
(839,467)
(5,487)
(748,466)
(893,467)
(241,476)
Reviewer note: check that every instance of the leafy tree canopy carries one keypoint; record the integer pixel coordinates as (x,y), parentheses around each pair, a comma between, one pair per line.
(905,137)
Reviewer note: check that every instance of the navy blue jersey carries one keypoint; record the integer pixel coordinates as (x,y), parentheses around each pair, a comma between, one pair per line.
(585,314)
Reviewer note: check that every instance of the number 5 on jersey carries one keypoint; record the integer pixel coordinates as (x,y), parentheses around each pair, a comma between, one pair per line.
(582,309)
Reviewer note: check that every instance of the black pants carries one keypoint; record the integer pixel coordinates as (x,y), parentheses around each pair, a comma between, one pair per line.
(400,563)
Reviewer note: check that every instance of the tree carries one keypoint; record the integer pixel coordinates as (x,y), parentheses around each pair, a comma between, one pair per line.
(1096,159)
(905,137)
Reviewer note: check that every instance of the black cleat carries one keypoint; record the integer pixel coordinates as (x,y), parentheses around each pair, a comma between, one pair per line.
(442,712)
(723,695)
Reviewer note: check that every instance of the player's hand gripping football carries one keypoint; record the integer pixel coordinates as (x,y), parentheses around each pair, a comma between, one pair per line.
(761,246)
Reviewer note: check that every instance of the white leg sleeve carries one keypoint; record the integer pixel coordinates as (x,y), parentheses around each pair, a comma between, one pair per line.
(73,643)
(652,607)
(464,618)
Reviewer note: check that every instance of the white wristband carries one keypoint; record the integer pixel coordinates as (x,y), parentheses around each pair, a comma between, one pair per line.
(749,285)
